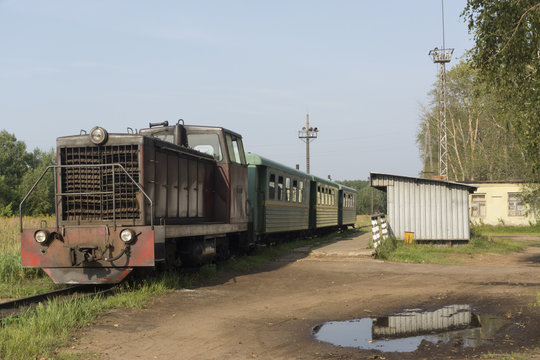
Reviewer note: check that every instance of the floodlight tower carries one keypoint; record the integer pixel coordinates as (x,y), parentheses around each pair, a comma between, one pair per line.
(307,134)
(441,57)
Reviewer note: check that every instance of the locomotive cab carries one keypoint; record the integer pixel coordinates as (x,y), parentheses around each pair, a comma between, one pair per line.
(226,147)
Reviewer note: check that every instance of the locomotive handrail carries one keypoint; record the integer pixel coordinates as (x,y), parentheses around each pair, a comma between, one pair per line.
(56,194)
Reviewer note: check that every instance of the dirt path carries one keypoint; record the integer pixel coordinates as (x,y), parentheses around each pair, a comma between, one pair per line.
(269,314)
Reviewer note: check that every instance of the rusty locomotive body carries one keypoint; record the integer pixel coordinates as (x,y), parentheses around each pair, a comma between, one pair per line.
(165,196)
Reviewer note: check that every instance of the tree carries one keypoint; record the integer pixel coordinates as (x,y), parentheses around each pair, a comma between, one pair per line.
(14,162)
(507,57)
(41,201)
(482,143)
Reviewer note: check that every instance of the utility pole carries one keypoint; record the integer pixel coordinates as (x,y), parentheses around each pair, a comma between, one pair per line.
(441,57)
(307,134)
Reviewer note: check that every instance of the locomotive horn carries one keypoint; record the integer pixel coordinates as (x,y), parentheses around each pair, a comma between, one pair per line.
(164,123)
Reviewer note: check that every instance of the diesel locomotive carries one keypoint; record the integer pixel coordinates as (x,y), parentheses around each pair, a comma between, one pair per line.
(167,196)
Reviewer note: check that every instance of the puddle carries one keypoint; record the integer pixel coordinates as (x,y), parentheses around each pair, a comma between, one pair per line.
(405,331)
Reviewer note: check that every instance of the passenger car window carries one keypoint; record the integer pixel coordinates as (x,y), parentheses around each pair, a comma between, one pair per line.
(272,187)
(301,192)
(280,188)
(294,190)
(288,187)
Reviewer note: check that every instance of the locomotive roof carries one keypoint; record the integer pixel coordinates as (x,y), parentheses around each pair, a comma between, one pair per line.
(202,128)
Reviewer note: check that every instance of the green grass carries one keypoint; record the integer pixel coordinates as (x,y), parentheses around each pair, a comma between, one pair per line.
(441,254)
(481,243)
(505,230)
(527,354)
(363,220)
(37,334)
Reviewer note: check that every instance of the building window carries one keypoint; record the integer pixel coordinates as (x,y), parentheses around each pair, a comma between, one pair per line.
(478,205)
(515,204)
(272,187)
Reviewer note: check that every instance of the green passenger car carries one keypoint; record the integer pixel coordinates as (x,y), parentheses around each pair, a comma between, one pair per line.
(324,204)
(347,206)
(279,197)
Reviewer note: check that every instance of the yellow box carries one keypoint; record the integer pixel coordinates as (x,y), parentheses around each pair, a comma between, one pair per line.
(409,237)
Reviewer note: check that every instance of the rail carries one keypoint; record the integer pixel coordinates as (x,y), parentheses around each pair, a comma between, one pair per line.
(13,307)
(113,192)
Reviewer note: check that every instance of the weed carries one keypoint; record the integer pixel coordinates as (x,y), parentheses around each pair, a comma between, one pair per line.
(386,248)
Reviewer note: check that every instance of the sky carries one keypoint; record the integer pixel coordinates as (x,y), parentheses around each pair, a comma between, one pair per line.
(359,68)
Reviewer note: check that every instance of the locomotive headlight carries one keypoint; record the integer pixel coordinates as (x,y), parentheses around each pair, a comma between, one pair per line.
(41,236)
(127,235)
(98,135)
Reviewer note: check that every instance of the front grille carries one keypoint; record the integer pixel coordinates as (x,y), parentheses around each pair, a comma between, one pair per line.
(92,186)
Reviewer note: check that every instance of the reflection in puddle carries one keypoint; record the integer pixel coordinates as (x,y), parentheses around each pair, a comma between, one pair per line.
(405,331)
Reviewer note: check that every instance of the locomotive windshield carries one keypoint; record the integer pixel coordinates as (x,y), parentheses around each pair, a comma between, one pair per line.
(207,144)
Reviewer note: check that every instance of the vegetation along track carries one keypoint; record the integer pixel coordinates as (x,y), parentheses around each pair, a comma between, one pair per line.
(14,307)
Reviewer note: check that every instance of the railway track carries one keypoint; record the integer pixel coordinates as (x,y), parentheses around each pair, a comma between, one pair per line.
(14,307)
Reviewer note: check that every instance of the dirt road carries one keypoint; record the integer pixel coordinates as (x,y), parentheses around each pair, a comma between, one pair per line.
(270,313)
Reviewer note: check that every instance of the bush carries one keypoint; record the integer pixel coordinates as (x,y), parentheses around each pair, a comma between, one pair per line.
(385,248)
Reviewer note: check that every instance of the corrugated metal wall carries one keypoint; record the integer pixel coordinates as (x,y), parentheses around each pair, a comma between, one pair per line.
(431,210)
(417,323)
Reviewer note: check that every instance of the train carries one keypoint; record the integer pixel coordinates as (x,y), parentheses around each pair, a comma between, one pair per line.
(168,196)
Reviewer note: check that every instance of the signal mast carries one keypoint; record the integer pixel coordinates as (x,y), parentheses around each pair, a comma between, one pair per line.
(441,57)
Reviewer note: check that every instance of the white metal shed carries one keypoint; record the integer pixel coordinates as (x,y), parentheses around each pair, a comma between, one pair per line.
(434,210)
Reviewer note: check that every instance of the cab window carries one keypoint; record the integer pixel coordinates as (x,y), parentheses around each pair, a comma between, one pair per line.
(207,144)
(235,149)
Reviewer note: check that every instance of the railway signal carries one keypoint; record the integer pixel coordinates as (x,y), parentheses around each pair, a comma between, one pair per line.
(307,134)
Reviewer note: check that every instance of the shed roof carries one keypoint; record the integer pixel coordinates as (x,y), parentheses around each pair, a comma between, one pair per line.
(381,181)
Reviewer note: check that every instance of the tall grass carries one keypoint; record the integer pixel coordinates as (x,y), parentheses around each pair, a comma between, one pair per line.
(11,272)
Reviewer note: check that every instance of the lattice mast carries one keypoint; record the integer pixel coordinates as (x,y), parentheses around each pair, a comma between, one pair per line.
(441,57)
(307,134)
